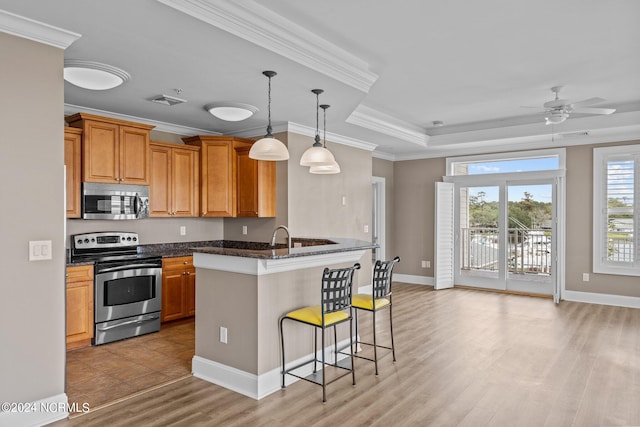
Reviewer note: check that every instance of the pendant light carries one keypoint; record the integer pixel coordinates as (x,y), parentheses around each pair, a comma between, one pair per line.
(334,167)
(269,148)
(317,155)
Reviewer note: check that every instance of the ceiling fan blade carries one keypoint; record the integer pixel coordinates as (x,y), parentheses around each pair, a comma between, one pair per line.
(587,102)
(591,110)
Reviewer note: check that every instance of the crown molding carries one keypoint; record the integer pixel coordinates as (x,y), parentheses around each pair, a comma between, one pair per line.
(159,126)
(259,25)
(377,121)
(306,131)
(384,156)
(40,32)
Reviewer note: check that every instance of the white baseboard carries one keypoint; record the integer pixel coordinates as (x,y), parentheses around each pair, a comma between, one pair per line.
(38,413)
(416,280)
(604,299)
(251,385)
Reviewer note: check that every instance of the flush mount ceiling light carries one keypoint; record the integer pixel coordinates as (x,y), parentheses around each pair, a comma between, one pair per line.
(231,111)
(317,155)
(269,148)
(334,167)
(93,75)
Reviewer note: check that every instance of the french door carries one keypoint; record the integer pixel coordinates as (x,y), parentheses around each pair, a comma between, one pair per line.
(506,234)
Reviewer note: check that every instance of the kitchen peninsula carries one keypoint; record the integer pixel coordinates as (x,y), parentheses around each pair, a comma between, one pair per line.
(243,289)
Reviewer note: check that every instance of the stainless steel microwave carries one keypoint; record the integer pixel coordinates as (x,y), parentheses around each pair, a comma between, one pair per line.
(114,201)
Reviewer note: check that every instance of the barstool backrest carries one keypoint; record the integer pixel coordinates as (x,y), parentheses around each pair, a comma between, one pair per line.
(382,275)
(336,288)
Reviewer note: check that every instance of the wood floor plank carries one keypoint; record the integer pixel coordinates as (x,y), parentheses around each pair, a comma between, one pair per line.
(464,358)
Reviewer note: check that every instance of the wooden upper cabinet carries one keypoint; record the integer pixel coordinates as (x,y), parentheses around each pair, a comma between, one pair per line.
(113,151)
(256,185)
(230,181)
(72,155)
(174,186)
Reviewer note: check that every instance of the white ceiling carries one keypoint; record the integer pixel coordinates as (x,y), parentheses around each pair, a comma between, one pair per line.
(389,69)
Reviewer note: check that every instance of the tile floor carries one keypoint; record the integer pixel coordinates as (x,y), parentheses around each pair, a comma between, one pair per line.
(107,373)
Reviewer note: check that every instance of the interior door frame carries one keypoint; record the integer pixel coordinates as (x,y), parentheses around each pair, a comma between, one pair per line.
(379,218)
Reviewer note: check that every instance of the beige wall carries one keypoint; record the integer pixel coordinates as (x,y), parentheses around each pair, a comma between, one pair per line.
(315,201)
(414,193)
(580,229)
(32,306)
(414,221)
(384,169)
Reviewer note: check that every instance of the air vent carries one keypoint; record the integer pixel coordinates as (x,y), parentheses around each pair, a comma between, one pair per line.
(168,100)
(574,134)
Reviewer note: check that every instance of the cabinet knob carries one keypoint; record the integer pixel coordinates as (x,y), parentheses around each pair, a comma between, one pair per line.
(186,262)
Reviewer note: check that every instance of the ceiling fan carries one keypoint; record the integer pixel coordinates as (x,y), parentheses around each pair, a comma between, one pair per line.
(558,110)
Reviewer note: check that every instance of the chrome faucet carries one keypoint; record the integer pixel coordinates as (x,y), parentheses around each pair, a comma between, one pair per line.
(273,237)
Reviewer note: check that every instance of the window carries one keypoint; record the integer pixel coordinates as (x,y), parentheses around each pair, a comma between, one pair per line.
(616,210)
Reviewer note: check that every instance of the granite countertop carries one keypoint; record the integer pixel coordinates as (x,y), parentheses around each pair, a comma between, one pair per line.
(300,247)
(262,250)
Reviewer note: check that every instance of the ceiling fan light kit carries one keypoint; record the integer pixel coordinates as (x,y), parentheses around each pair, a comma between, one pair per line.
(93,75)
(269,148)
(558,110)
(317,155)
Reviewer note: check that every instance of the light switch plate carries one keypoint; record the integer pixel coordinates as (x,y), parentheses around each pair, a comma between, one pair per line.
(39,250)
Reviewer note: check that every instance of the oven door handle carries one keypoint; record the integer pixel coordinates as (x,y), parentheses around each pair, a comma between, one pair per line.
(130,322)
(128,267)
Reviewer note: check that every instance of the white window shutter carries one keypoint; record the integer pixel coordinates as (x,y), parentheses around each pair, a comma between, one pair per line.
(444,236)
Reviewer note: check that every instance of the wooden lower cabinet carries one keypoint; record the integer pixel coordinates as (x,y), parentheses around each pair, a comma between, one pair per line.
(79,306)
(178,288)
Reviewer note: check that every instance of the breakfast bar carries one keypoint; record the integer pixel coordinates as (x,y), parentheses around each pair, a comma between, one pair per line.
(242,290)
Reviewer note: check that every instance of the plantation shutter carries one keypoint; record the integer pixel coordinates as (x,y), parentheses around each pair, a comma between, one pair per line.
(444,236)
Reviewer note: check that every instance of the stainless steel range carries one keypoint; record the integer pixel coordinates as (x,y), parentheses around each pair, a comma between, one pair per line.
(127,284)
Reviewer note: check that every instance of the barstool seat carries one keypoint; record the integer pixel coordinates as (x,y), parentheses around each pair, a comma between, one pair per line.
(365,302)
(313,316)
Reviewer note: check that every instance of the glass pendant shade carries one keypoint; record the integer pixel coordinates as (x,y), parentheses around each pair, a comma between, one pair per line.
(269,148)
(325,170)
(317,156)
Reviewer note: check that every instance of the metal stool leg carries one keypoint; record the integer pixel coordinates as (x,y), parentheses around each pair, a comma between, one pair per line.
(324,384)
(375,344)
(315,349)
(393,347)
(282,342)
(353,366)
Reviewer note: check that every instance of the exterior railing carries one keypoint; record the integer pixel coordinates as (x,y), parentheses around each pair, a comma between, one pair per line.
(529,251)
(620,246)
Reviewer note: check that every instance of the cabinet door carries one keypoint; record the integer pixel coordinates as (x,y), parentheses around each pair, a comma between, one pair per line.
(72,152)
(184,184)
(100,152)
(160,183)
(79,306)
(266,189)
(190,292)
(247,180)
(218,180)
(134,156)
(172,294)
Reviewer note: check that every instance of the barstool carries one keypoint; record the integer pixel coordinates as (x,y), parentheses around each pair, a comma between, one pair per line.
(334,308)
(379,299)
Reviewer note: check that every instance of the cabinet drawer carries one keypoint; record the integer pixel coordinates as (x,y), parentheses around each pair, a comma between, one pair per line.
(177,263)
(80,273)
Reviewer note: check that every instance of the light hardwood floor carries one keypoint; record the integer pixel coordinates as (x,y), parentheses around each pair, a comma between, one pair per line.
(465,358)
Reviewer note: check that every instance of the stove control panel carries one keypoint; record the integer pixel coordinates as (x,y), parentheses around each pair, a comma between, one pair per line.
(104,240)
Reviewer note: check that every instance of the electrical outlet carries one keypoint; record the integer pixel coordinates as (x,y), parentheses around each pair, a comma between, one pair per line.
(424,264)
(223,335)
(366,228)
(585,277)
(244,229)
(183,230)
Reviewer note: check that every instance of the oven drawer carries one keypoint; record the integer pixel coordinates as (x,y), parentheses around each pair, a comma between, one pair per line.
(125,328)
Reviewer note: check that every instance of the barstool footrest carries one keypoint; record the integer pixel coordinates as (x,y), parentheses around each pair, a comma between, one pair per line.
(316,377)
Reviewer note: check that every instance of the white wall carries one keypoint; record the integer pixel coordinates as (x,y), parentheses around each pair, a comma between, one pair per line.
(32,310)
